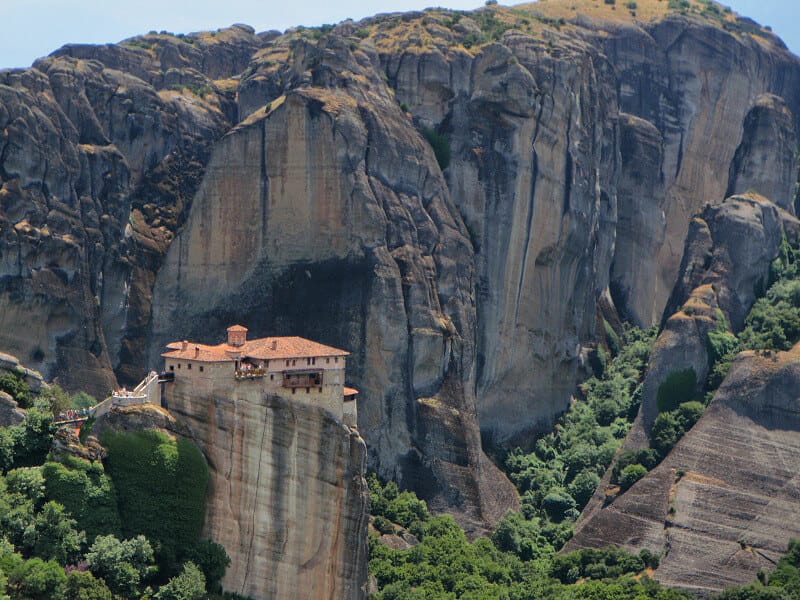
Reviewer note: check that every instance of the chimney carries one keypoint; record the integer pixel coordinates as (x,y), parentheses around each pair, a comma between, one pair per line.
(274,344)
(237,335)
(196,351)
(184,344)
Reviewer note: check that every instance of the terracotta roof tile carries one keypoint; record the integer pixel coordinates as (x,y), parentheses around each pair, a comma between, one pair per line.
(348,391)
(237,328)
(268,348)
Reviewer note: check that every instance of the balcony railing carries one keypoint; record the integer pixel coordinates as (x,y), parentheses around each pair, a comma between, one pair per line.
(252,373)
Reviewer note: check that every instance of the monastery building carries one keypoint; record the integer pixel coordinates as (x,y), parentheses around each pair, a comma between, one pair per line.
(294,368)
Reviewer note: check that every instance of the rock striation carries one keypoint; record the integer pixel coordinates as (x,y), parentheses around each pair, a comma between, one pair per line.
(716,506)
(702,520)
(445,194)
(287,494)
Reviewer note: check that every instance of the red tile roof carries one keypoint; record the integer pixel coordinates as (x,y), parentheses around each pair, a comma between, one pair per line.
(268,348)
(237,328)
(348,391)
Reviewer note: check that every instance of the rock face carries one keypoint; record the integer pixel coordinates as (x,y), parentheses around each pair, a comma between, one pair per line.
(724,518)
(165,187)
(698,520)
(768,141)
(726,261)
(287,499)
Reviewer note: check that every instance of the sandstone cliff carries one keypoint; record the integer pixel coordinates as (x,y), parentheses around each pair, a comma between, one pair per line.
(287,495)
(166,186)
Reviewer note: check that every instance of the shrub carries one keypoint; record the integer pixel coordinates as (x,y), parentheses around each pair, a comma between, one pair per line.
(678,387)
(689,413)
(647,457)
(383,525)
(630,475)
(189,585)
(161,486)
(666,432)
(13,384)
(557,502)
(583,486)
(440,145)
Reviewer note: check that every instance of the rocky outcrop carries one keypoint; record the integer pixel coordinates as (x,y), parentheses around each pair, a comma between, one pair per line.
(641,222)
(726,262)
(716,506)
(31,377)
(287,494)
(166,186)
(700,85)
(102,150)
(765,162)
(325,214)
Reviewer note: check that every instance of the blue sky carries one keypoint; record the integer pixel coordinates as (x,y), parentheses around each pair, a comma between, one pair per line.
(34,28)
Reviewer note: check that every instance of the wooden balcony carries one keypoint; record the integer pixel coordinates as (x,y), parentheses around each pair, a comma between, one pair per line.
(296,379)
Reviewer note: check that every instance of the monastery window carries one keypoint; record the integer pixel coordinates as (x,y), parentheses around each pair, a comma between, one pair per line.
(189,366)
(313,361)
(336,360)
(287,363)
(266,364)
(308,390)
(327,361)
(272,377)
(172,367)
(308,361)
(294,362)
(201,368)
(179,365)
(320,390)
(294,390)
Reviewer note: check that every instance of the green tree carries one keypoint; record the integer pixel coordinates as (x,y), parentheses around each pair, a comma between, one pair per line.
(189,585)
(583,486)
(36,579)
(557,502)
(124,565)
(52,535)
(82,585)
(666,432)
(521,536)
(86,492)
(13,384)
(33,437)
(212,560)
(26,483)
(689,413)
(630,475)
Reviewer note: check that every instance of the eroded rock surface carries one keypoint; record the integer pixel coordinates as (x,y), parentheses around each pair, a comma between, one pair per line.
(287,494)
(726,516)
(167,186)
